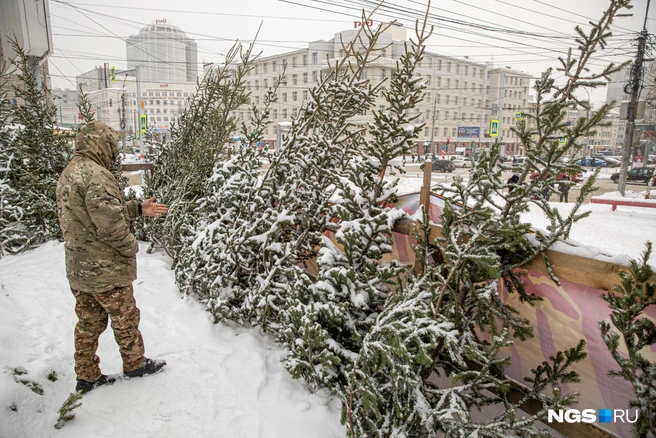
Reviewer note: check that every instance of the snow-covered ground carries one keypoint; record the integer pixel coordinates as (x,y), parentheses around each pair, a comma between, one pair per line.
(219,381)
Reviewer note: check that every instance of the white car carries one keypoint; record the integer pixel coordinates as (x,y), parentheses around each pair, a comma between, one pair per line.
(461,162)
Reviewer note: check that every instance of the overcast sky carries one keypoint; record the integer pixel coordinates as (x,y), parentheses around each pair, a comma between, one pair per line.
(88,33)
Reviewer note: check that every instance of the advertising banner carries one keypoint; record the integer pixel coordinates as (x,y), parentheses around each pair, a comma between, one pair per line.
(469,132)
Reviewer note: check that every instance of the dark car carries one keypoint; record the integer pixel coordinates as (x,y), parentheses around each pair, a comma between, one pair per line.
(441,166)
(637,175)
(561,176)
(591,162)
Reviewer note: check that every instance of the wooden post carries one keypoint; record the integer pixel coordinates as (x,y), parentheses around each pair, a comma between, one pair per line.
(424,200)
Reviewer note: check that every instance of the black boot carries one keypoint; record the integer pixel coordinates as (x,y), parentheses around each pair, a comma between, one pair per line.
(151,366)
(83,386)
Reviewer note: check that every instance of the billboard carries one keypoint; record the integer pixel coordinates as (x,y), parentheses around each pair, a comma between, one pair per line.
(469,132)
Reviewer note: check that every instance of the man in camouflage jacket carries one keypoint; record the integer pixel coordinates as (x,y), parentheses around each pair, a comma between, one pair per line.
(101,255)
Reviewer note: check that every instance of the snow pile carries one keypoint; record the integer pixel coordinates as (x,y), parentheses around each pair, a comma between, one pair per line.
(219,381)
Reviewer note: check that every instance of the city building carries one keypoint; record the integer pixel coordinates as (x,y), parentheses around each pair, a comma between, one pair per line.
(27,24)
(462,95)
(164,54)
(66,102)
(162,65)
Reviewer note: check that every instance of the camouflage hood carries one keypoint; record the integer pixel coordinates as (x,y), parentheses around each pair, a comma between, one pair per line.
(98,142)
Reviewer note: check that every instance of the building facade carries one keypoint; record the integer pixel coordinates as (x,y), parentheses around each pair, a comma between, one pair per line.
(164,54)
(166,60)
(462,96)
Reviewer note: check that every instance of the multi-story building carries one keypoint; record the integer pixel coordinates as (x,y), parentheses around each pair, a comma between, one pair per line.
(166,60)
(66,103)
(164,54)
(462,96)
(25,23)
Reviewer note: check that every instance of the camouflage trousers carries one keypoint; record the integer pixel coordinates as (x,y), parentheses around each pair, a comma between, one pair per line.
(93,311)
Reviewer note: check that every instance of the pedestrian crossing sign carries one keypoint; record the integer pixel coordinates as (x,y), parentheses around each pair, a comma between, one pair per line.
(518,115)
(494,128)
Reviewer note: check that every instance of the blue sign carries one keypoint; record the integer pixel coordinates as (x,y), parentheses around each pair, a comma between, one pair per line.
(469,132)
(444,147)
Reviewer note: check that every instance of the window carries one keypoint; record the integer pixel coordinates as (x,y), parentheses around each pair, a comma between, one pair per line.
(257,69)
(437,115)
(446,132)
(448,67)
(293,61)
(464,85)
(428,114)
(457,84)
(382,74)
(439,64)
(305,78)
(157,93)
(284,114)
(265,67)
(439,81)
(304,59)
(455,115)
(257,85)
(428,97)
(314,77)
(428,79)
(295,96)
(295,112)
(284,63)
(438,98)
(455,100)
(464,101)
(151,102)
(446,115)
(157,102)
(284,97)
(305,95)
(448,83)
(266,83)
(384,54)
(315,58)
(426,131)
(275,114)
(257,100)
(274,66)
(294,79)
(448,99)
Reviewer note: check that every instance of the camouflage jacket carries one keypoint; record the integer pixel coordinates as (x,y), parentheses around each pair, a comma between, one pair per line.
(94,216)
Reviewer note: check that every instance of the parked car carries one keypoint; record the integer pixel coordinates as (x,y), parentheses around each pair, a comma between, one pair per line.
(561,176)
(461,161)
(441,166)
(591,162)
(610,162)
(637,175)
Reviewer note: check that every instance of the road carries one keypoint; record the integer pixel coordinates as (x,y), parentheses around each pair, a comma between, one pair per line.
(603,182)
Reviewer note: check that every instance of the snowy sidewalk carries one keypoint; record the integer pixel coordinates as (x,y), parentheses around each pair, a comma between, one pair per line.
(219,382)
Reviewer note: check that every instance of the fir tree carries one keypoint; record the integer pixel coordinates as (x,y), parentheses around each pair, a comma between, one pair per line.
(198,143)
(327,321)
(636,332)
(84,107)
(292,209)
(10,212)
(228,204)
(66,410)
(39,154)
